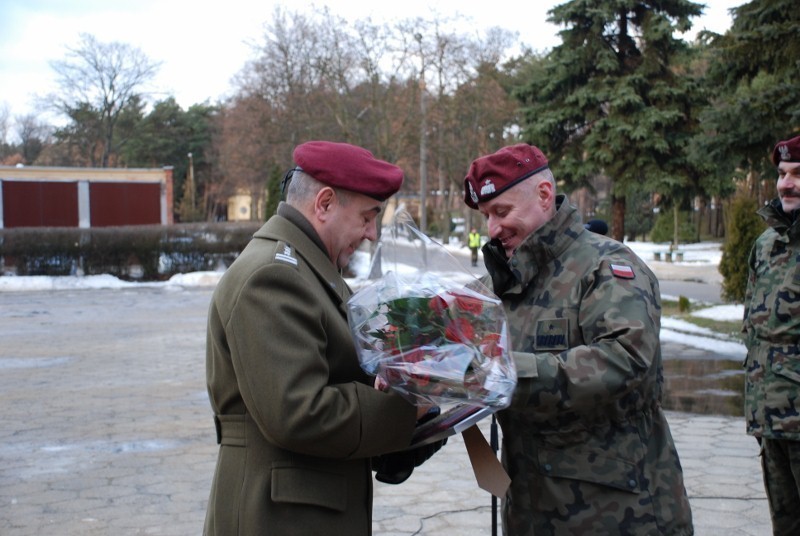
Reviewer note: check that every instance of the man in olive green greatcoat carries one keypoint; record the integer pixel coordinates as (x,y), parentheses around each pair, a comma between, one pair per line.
(585,440)
(297,419)
(772,324)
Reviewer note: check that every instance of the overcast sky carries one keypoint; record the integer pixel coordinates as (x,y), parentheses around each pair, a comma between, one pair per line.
(202,45)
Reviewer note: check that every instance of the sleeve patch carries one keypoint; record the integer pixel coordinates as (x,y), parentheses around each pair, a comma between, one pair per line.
(622,271)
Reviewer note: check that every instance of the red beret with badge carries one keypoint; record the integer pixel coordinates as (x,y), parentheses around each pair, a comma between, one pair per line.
(491,175)
(786,151)
(349,167)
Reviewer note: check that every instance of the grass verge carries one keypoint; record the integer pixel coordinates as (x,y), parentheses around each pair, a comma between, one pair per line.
(729,328)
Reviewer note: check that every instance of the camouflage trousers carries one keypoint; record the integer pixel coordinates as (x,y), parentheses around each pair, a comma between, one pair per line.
(780,460)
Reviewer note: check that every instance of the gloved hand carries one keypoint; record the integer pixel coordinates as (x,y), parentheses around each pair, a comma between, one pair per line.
(396,467)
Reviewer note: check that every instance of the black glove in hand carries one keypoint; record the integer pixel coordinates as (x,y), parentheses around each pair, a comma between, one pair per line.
(396,467)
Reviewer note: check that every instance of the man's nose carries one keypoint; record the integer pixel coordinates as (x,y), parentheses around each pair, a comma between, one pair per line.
(494,227)
(371,232)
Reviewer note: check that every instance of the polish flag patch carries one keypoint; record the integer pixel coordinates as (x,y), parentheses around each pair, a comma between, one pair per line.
(622,271)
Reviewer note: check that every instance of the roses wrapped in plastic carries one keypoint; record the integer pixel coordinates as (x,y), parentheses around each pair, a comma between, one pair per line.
(430,329)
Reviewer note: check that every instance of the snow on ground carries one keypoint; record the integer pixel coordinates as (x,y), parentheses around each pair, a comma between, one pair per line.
(683,332)
(672,329)
(11,283)
(700,253)
(730,312)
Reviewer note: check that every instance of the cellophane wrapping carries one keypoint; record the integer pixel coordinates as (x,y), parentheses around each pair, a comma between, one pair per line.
(428,328)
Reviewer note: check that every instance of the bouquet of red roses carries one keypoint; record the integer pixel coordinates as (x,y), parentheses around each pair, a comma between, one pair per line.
(433,337)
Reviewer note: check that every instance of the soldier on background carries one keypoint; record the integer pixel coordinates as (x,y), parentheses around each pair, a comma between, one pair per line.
(597,226)
(474,245)
(772,325)
(585,440)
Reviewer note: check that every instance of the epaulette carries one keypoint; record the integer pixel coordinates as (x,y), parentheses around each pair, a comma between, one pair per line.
(285,253)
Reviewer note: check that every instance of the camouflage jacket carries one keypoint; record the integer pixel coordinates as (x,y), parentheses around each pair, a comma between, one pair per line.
(585,440)
(772,326)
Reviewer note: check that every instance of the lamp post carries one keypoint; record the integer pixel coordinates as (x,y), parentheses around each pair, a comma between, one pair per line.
(423,142)
(190,185)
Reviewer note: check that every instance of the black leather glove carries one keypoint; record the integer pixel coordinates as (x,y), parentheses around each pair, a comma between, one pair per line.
(396,467)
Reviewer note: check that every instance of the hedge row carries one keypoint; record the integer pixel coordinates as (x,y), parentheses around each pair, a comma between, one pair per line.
(141,252)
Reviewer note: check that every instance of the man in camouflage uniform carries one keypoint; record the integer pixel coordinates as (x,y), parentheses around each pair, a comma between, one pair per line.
(585,440)
(772,324)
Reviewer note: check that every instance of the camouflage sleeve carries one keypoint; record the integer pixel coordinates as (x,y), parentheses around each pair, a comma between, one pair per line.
(525,364)
(613,345)
(748,294)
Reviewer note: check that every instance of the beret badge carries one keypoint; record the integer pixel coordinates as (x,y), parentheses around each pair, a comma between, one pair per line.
(488,188)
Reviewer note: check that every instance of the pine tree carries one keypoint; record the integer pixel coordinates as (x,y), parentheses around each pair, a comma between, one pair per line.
(612,99)
(753,71)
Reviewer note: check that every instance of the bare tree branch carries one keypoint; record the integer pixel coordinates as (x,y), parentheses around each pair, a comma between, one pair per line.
(104,78)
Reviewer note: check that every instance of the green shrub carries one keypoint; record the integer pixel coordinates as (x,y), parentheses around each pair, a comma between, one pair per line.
(273,194)
(742,229)
(144,252)
(684,305)
(638,213)
(664,228)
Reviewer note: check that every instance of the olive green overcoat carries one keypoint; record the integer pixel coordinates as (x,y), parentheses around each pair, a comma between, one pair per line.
(297,419)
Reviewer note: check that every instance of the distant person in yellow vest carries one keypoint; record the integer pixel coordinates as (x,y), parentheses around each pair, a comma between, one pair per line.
(474,245)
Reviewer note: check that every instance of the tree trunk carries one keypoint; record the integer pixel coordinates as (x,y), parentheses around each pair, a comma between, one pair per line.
(676,223)
(617,217)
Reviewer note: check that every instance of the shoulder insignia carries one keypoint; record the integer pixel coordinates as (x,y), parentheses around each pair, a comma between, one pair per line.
(286,255)
(623,271)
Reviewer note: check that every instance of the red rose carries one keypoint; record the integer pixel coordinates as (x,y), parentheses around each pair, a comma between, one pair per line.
(438,305)
(414,356)
(390,339)
(459,330)
(469,304)
(490,345)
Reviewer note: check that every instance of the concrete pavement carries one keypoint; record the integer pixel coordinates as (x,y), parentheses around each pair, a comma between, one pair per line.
(720,463)
(106,429)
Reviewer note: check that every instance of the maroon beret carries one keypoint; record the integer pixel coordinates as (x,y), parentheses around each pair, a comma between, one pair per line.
(786,151)
(491,175)
(346,166)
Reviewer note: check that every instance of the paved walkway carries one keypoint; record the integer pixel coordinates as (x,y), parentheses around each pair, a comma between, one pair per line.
(106,430)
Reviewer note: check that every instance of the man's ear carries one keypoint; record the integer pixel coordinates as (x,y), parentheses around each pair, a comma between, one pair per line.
(545,191)
(323,203)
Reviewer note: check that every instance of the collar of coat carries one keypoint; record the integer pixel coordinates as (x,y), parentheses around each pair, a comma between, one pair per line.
(296,217)
(539,248)
(775,217)
(290,226)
